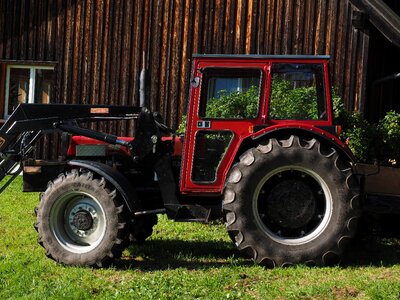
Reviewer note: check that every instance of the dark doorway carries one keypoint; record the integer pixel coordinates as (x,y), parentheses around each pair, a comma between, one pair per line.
(384,61)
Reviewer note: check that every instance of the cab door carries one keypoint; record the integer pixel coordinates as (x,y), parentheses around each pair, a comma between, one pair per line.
(226,103)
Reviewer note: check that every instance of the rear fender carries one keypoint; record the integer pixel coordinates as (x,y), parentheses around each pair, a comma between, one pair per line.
(302,131)
(119,181)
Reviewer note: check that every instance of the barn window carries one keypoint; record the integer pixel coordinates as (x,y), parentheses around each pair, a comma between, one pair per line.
(27,84)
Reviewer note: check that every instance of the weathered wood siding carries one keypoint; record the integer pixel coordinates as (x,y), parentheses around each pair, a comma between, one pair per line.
(99,44)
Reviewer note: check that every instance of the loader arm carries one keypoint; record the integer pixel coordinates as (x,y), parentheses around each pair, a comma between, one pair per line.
(29,122)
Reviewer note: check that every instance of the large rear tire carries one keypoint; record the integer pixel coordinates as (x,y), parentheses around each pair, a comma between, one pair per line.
(291,202)
(80,222)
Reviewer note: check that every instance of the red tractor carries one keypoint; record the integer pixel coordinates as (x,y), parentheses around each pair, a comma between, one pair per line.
(261,151)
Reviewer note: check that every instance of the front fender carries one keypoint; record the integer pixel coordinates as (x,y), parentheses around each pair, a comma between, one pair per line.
(119,181)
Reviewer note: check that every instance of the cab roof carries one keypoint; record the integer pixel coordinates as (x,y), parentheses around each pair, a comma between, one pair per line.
(262,56)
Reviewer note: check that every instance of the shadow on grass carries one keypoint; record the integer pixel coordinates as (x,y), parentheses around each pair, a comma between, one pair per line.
(372,251)
(377,243)
(194,255)
(173,254)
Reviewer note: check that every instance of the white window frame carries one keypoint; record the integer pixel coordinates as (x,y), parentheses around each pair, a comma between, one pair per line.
(32,80)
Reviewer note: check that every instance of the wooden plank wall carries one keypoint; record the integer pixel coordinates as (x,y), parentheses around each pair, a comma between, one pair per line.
(99,44)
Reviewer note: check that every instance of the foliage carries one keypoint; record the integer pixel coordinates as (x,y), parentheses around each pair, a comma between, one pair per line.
(234,105)
(292,103)
(229,105)
(340,114)
(182,126)
(362,138)
(358,133)
(370,142)
(389,131)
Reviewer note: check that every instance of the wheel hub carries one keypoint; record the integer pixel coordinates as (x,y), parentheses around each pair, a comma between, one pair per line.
(82,220)
(291,204)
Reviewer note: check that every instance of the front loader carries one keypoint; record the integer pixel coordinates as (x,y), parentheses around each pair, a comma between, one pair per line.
(261,151)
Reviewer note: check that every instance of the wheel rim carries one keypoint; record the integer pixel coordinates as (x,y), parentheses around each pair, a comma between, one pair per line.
(78,222)
(292,205)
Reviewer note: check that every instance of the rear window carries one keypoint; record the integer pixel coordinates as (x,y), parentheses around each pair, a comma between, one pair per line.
(297,92)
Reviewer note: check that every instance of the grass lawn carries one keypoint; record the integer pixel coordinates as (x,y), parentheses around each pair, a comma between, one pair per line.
(183,261)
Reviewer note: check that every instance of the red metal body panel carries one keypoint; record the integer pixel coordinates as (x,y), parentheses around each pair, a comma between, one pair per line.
(81,140)
(243,129)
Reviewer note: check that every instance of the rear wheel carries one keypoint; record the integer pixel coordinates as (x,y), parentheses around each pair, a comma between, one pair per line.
(290,202)
(80,222)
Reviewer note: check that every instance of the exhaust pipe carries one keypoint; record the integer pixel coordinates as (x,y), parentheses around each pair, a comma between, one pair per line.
(142,84)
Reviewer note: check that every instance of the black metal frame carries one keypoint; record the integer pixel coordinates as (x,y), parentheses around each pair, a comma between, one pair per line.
(29,122)
(65,117)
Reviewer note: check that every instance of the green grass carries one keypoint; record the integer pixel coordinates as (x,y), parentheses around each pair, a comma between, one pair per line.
(183,261)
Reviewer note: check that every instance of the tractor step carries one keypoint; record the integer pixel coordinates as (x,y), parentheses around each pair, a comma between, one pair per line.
(188,213)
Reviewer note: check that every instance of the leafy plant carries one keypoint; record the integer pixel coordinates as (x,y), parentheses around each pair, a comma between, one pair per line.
(361,138)
(389,131)
(229,105)
(370,142)
(341,115)
(234,105)
(182,126)
(292,103)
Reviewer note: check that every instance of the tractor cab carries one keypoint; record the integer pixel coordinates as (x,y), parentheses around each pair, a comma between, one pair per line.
(236,100)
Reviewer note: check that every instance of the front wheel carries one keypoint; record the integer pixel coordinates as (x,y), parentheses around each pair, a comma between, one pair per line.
(290,202)
(80,222)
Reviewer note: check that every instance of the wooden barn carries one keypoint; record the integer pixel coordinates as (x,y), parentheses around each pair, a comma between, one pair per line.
(92,51)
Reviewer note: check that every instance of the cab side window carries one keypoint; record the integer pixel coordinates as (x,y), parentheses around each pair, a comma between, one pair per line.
(230,93)
(297,92)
